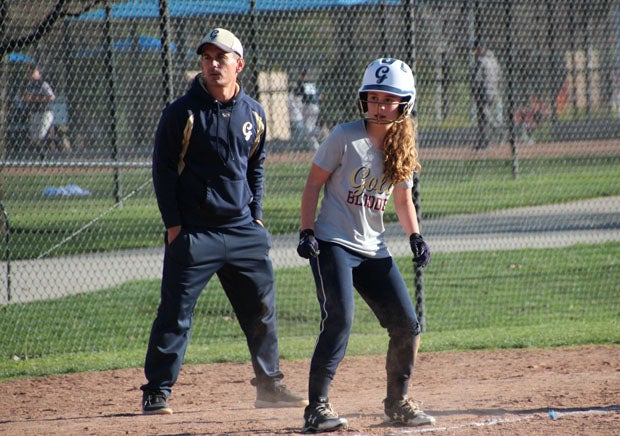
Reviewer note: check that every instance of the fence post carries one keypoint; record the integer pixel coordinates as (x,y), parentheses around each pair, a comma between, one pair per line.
(164,30)
(510,89)
(410,15)
(7,251)
(109,61)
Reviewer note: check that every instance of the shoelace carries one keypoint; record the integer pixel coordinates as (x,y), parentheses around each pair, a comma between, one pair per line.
(154,398)
(409,406)
(326,411)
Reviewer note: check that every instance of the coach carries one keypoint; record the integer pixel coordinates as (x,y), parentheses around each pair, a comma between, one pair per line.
(208,177)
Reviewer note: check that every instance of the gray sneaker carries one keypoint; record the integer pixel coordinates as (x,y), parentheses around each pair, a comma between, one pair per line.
(320,417)
(155,403)
(406,412)
(277,396)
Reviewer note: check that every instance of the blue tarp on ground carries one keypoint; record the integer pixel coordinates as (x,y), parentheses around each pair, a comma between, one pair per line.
(191,8)
(65,191)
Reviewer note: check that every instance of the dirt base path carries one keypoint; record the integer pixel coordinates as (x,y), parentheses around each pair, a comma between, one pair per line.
(506,392)
(610,147)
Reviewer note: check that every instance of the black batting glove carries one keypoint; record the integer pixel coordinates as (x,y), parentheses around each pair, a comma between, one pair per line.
(420,249)
(308,247)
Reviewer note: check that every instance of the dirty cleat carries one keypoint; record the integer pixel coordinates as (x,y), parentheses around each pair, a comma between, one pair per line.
(320,417)
(277,396)
(406,412)
(154,403)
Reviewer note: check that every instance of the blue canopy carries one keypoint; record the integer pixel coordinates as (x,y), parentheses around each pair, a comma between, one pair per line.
(142,43)
(17,58)
(192,8)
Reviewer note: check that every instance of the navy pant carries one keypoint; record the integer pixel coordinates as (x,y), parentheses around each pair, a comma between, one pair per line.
(337,272)
(240,258)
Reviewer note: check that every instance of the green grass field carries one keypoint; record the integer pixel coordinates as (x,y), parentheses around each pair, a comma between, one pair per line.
(506,299)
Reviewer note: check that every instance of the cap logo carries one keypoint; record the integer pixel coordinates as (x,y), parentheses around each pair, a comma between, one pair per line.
(382,74)
(213,34)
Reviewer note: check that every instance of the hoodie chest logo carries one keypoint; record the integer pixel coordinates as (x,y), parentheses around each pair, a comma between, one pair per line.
(247,130)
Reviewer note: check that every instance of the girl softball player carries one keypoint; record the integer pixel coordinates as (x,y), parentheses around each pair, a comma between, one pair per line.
(360,166)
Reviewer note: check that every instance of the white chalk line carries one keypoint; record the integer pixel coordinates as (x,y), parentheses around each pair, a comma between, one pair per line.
(495,421)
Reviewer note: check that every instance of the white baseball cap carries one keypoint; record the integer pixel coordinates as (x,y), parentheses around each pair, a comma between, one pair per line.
(223,39)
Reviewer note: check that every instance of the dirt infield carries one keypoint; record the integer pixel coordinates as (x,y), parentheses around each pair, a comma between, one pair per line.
(609,147)
(506,392)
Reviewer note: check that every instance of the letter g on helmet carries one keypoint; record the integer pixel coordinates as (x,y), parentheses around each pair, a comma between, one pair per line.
(392,76)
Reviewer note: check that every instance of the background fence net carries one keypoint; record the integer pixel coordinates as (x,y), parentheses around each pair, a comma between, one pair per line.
(518,116)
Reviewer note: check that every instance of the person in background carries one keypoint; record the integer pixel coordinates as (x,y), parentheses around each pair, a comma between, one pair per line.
(308,91)
(208,175)
(486,92)
(530,118)
(38,97)
(359,166)
(296,114)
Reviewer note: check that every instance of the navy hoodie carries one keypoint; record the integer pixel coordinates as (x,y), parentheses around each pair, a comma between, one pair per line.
(221,181)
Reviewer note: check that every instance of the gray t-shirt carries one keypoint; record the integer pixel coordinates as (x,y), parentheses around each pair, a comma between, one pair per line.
(488,76)
(356,193)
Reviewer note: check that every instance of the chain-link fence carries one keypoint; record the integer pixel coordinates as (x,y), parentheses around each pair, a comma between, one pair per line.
(517,108)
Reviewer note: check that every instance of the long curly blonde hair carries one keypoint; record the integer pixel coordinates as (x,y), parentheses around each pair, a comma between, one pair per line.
(400,155)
